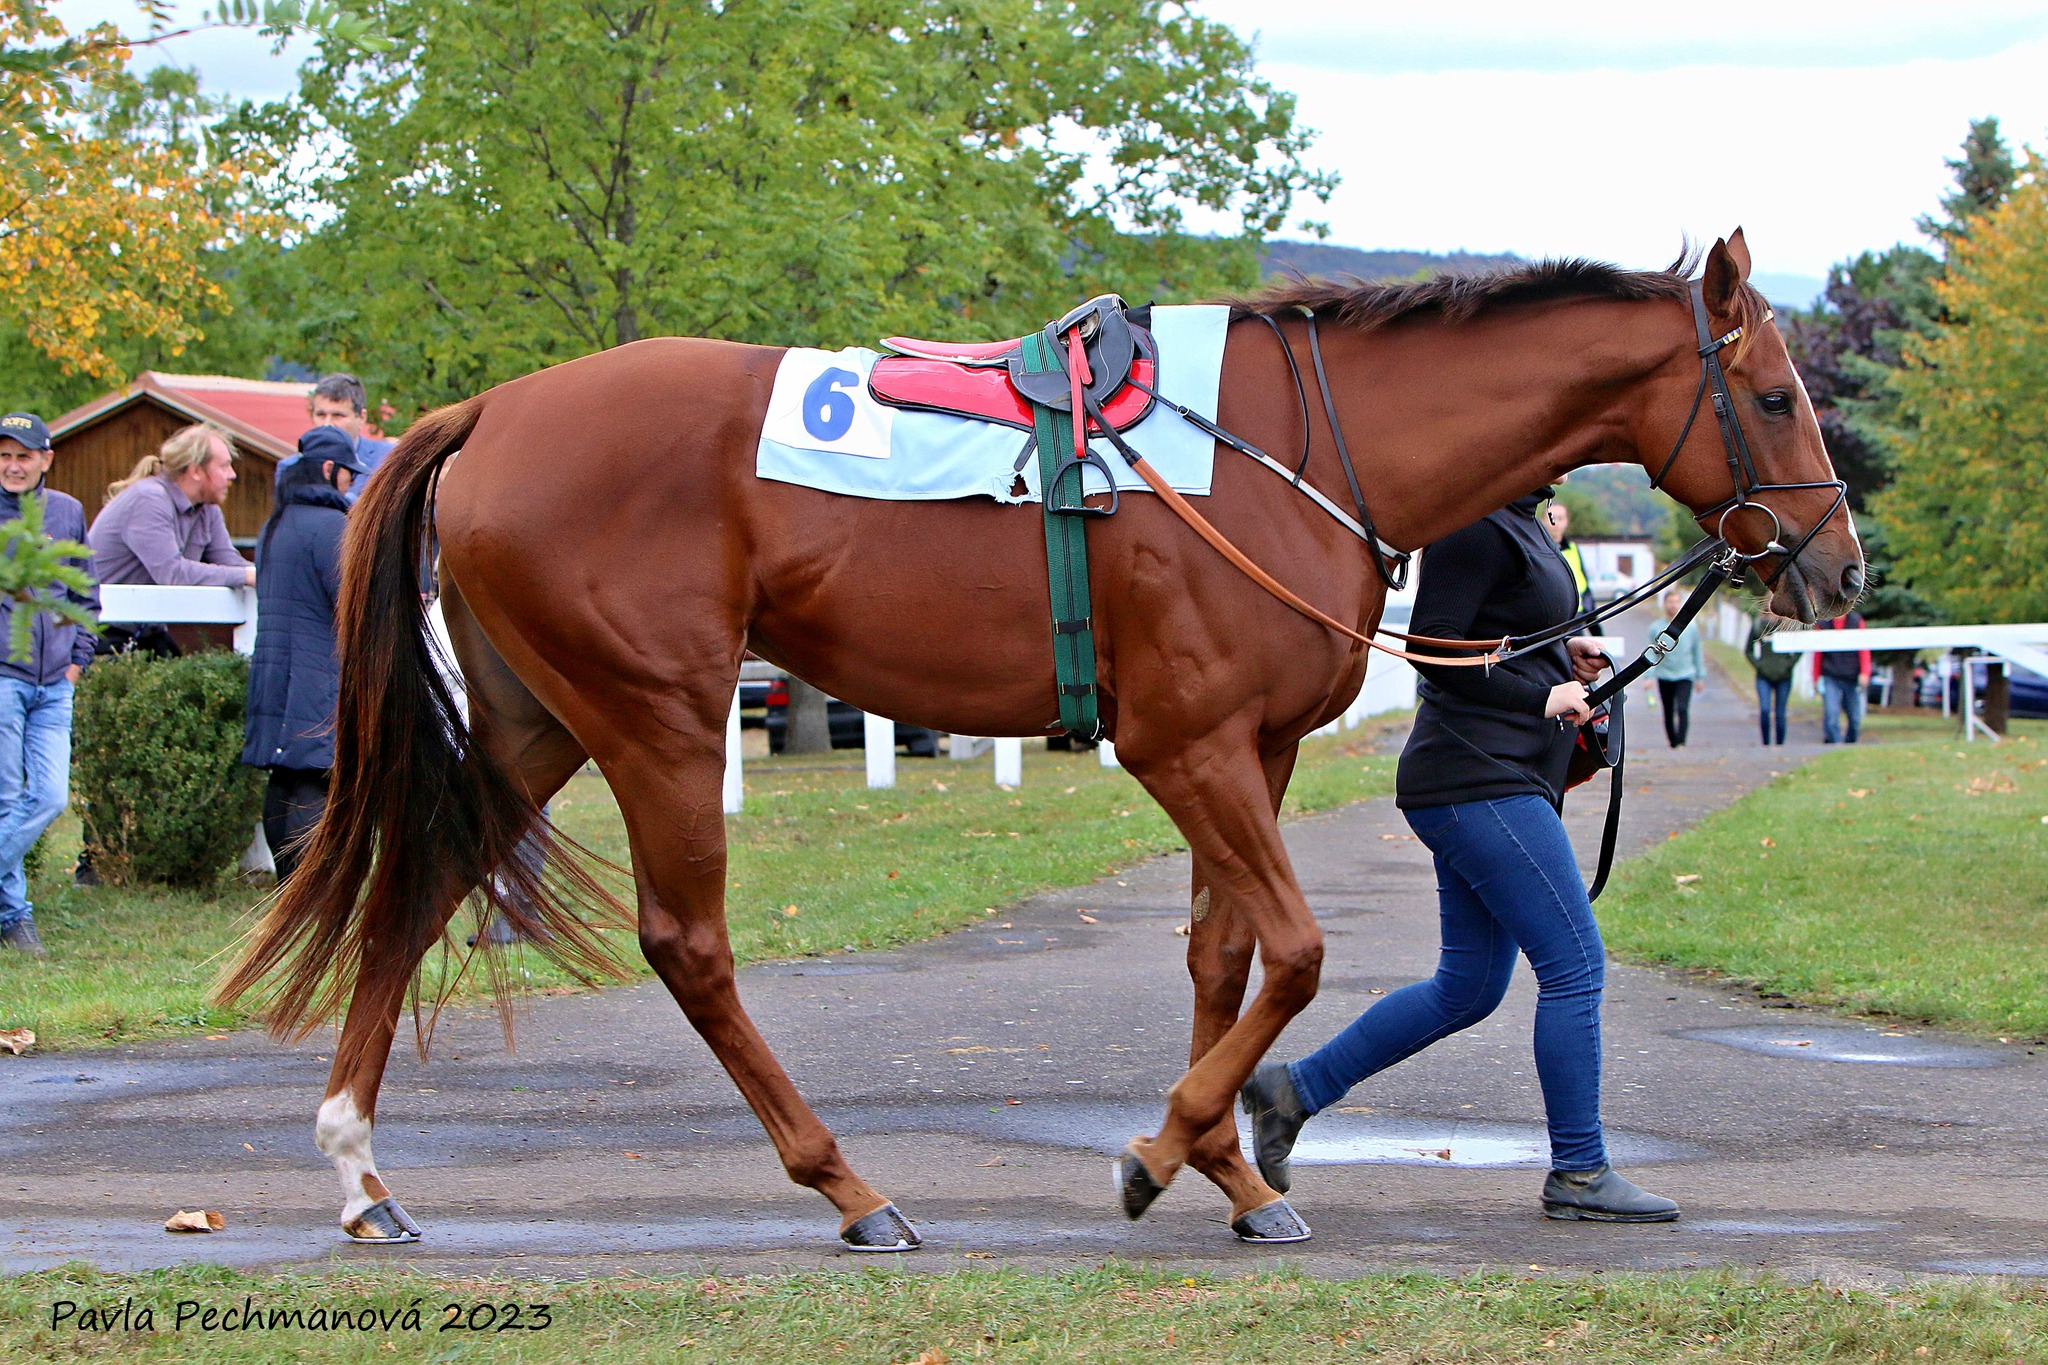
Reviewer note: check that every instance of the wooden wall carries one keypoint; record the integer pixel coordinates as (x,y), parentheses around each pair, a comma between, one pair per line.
(88,460)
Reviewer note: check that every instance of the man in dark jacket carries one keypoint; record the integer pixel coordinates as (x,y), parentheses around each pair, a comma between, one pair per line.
(294,679)
(35,694)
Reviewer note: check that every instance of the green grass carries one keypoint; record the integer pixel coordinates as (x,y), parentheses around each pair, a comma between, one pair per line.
(818,864)
(1114,1313)
(1904,877)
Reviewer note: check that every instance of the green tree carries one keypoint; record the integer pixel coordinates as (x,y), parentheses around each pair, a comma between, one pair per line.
(1965,509)
(1984,174)
(514,184)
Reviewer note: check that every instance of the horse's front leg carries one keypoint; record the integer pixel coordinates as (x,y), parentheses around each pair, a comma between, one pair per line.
(1220,948)
(1219,794)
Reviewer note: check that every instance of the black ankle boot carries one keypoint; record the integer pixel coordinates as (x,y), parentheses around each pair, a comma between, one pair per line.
(1602,1196)
(1275,1110)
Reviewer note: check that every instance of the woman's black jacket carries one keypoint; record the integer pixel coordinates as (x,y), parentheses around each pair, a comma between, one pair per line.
(294,679)
(1480,734)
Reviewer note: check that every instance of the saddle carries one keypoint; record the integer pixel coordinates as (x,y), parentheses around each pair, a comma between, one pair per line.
(991,382)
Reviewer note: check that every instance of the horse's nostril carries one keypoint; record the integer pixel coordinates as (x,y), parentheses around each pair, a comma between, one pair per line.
(1852,580)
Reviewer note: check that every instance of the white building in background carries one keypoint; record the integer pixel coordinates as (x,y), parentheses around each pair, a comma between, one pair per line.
(1614,564)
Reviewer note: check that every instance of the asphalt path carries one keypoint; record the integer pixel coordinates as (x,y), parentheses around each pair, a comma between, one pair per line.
(985,1079)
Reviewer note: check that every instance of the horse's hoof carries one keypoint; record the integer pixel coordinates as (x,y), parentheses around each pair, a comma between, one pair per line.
(384,1221)
(1134,1184)
(1270,1224)
(886,1229)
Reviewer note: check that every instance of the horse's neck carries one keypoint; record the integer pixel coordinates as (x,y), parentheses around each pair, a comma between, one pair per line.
(1466,417)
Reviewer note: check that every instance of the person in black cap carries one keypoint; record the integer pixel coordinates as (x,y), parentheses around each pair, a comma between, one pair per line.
(35,693)
(294,679)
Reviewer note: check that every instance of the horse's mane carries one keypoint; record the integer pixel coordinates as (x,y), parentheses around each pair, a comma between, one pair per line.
(1457,297)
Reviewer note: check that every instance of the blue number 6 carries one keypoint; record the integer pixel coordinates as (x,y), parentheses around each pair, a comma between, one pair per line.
(828,413)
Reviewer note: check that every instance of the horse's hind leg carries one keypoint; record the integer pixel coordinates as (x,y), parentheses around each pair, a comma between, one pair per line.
(667,777)
(531,745)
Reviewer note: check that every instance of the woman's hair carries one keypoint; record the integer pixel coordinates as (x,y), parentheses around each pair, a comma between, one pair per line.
(187,449)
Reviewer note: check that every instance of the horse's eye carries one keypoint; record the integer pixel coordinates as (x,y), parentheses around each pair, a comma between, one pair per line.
(1777,404)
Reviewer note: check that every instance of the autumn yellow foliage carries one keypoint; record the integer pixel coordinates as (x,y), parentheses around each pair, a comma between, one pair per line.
(100,237)
(1966,510)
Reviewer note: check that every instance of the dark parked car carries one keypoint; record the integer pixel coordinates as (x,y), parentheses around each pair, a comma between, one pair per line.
(2029,690)
(849,729)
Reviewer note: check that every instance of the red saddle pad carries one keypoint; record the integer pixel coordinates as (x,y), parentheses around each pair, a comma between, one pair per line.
(980,388)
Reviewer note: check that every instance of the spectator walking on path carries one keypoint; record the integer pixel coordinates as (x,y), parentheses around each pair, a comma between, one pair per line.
(1773,678)
(1678,673)
(1844,677)
(35,694)
(163,524)
(295,678)
(1481,782)
(338,401)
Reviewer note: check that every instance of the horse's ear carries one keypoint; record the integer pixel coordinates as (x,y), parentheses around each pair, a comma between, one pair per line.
(1727,268)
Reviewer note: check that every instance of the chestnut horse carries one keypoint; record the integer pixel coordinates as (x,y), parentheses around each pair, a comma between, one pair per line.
(607,555)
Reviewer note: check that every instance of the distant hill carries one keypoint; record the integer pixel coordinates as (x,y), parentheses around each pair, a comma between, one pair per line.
(1321,258)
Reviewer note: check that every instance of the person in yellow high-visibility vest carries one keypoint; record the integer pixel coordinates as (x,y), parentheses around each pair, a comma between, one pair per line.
(1558,518)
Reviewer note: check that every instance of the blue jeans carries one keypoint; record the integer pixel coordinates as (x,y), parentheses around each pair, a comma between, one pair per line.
(35,779)
(1771,698)
(1506,880)
(1841,698)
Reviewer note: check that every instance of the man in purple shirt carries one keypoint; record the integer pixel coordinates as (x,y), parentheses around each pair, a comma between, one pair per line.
(164,524)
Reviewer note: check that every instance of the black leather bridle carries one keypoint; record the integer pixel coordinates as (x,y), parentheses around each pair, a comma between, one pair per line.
(1741,466)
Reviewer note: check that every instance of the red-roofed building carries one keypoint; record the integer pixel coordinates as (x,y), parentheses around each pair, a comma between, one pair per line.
(102,441)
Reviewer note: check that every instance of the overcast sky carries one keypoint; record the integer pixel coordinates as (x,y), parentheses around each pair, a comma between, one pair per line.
(1599,129)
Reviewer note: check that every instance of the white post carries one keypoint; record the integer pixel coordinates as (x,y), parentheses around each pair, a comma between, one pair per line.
(878,733)
(245,633)
(964,747)
(1106,752)
(1009,762)
(735,790)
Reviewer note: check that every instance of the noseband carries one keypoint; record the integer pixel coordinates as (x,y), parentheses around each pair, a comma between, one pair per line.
(1741,467)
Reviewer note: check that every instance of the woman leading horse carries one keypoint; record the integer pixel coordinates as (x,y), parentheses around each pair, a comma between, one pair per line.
(608,624)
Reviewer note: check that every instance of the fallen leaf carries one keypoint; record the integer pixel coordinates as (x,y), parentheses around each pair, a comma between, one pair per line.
(1792,1042)
(1008,1100)
(934,1356)
(216,1037)
(634,1156)
(894,874)
(938,786)
(992,1161)
(20,1040)
(979,1255)
(1087,918)
(1686,878)
(1859,792)
(1768,842)
(247,1148)
(1181,929)
(789,912)
(963,1051)
(1397,836)
(195,1220)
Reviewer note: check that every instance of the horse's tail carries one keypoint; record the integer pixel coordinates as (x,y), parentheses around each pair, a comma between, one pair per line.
(417,815)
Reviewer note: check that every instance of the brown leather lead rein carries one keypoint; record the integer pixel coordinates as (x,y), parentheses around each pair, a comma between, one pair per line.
(1201,527)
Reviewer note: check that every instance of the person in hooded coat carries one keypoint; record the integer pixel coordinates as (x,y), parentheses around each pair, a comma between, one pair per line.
(295,677)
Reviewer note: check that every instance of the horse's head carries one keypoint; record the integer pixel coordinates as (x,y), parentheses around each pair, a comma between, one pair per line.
(1759,476)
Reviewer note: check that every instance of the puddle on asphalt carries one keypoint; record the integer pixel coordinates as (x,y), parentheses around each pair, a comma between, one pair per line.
(1989,1265)
(1331,1139)
(43,1243)
(1785,1227)
(1870,1047)
(827,967)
